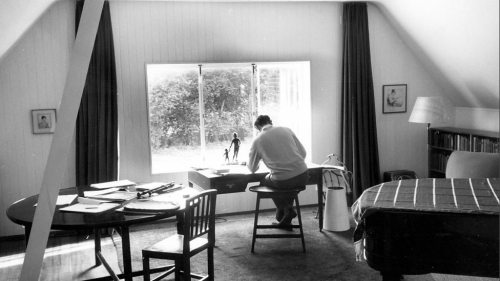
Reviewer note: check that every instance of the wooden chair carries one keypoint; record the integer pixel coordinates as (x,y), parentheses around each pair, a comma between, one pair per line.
(198,228)
(465,164)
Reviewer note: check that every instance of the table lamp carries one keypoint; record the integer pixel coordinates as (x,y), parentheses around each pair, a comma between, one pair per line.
(430,110)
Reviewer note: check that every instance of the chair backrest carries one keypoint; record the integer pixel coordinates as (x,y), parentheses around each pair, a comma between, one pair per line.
(465,164)
(199,217)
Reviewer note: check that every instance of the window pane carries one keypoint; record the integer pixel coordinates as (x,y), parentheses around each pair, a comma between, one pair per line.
(232,95)
(173,117)
(284,95)
(228,107)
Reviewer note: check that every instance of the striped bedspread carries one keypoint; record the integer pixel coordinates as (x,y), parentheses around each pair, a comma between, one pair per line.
(428,195)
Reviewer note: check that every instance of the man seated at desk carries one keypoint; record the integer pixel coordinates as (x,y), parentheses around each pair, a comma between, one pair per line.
(283,154)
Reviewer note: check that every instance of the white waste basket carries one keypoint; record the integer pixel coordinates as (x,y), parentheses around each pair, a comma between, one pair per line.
(336,215)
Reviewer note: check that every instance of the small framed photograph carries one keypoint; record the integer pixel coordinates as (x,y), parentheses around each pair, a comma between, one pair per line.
(394,98)
(43,121)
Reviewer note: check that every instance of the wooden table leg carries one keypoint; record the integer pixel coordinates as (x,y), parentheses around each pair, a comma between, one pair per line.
(27,230)
(127,259)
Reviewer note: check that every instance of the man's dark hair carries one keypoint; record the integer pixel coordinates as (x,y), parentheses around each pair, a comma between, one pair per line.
(262,120)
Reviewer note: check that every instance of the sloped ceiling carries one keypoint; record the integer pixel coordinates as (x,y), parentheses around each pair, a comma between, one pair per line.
(456,40)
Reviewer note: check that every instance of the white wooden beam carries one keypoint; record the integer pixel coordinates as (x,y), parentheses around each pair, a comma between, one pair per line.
(60,147)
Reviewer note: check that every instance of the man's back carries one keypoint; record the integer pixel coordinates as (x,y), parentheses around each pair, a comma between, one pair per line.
(280,150)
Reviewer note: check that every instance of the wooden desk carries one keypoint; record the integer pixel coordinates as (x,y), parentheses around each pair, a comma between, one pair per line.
(22,212)
(239,176)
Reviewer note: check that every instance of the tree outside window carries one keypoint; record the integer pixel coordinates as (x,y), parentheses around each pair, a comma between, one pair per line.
(228,96)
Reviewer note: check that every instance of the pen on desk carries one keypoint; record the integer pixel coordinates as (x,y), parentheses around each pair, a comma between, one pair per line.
(91,207)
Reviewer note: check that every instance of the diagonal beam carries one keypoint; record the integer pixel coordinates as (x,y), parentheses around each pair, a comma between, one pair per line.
(60,147)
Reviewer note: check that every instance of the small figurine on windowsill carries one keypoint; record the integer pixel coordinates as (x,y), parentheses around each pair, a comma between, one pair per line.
(236,141)
(226,156)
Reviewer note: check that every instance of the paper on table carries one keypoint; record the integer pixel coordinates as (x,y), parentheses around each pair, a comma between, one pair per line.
(90,208)
(149,186)
(109,184)
(99,192)
(64,199)
(88,201)
(115,196)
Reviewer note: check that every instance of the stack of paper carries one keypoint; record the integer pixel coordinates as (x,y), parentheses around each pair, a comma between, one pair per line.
(149,186)
(120,183)
(116,196)
(220,170)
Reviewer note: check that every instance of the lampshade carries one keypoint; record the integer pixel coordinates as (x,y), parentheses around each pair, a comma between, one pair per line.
(430,110)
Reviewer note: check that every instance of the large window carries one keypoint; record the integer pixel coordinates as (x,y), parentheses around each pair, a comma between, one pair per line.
(194,110)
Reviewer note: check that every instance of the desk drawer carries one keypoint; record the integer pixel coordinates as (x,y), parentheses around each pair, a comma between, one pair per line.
(230,186)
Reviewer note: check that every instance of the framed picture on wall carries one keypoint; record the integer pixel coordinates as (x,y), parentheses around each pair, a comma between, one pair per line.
(43,121)
(394,98)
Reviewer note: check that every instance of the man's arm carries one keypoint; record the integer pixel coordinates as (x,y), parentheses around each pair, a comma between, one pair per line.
(300,147)
(253,159)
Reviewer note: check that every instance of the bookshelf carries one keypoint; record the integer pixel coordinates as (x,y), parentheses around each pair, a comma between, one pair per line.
(444,140)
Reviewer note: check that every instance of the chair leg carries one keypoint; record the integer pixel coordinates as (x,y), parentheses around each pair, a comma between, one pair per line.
(186,266)
(210,257)
(255,221)
(300,222)
(145,267)
(177,270)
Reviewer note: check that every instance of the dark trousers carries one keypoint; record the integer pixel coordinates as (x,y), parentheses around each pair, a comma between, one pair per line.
(284,202)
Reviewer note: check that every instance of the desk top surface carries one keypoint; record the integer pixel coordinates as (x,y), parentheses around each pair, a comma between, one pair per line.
(23,211)
(242,170)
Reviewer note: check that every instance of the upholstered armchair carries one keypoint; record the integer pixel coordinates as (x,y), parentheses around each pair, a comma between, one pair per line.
(465,164)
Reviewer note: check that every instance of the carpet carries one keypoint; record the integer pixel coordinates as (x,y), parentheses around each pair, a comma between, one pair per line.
(329,255)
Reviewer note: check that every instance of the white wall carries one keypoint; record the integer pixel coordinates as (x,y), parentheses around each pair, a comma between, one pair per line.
(458,41)
(402,145)
(176,32)
(477,118)
(32,76)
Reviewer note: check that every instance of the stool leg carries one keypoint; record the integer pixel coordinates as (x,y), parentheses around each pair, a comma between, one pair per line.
(255,221)
(297,206)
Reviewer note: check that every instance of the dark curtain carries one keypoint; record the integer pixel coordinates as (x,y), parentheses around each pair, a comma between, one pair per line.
(359,131)
(97,121)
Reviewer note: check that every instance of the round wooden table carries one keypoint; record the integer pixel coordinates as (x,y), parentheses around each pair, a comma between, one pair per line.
(22,212)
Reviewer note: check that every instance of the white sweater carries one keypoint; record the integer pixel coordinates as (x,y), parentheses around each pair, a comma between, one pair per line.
(280,150)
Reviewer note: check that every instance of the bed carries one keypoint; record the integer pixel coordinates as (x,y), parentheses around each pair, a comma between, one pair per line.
(421,226)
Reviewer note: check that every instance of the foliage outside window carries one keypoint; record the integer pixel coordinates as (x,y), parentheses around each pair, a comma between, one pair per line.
(229,97)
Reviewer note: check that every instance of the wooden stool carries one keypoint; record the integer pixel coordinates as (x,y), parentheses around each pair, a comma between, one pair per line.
(264,192)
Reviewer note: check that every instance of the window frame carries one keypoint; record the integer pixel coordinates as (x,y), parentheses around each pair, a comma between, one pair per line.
(255,85)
